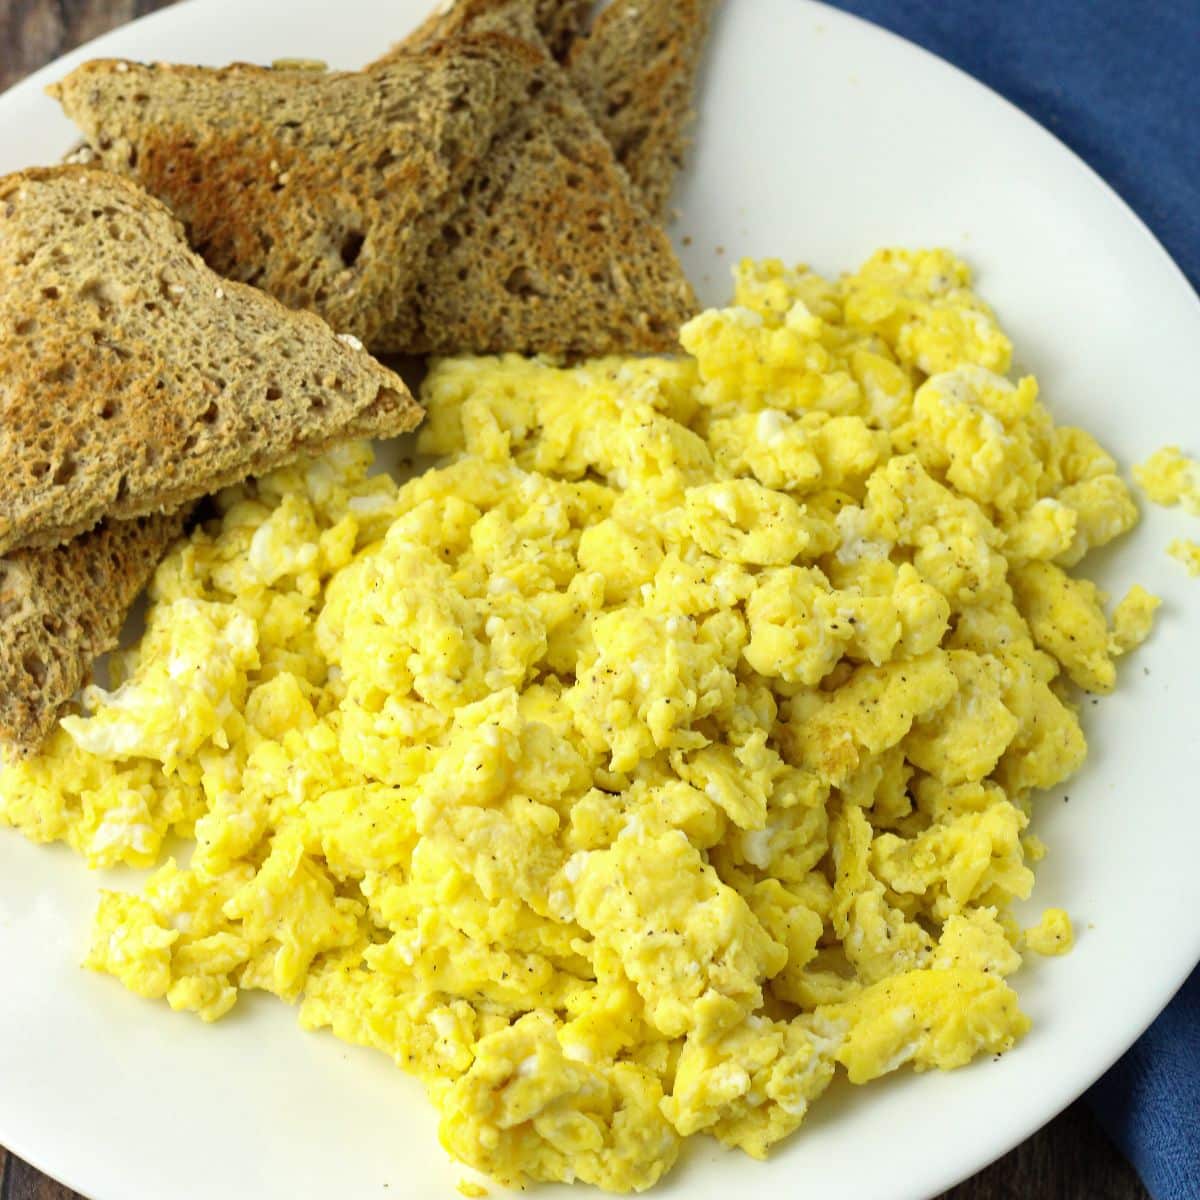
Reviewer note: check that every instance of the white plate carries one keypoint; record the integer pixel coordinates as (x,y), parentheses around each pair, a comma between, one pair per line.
(820,138)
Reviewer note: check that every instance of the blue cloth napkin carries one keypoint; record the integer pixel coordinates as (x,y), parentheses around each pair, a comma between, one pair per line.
(1120,84)
(1150,1101)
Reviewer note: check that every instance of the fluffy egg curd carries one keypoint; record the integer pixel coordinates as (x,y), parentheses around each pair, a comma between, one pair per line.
(667,747)
(1169,477)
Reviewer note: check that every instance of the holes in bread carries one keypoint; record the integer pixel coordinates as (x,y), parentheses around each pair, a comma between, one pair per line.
(63,373)
(99,293)
(210,415)
(35,667)
(567,149)
(108,409)
(26,327)
(351,247)
(273,393)
(523,284)
(64,472)
(53,624)
(95,574)
(40,469)
(100,339)
(50,293)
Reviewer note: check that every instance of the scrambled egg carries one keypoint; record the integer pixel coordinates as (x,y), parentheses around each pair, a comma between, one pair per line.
(1052,935)
(1169,477)
(1186,551)
(667,747)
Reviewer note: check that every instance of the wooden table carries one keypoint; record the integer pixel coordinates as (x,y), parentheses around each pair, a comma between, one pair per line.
(1071,1158)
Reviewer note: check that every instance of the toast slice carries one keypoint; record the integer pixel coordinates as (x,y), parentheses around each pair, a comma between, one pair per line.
(322,188)
(636,72)
(60,609)
(558,22)
(551,250)
(548,250)
(133,379)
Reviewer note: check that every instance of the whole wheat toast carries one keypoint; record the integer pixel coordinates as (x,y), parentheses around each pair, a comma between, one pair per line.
(576,267)
(60,609)
(322,188)
(636,72)
(133,379)
(548,250)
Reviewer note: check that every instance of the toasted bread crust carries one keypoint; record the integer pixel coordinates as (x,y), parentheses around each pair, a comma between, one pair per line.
(135,379)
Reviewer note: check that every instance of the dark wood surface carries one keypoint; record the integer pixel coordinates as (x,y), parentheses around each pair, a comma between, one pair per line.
(1070,1159)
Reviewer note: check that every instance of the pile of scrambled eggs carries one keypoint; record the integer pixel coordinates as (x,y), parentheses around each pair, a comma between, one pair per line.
(666,747)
